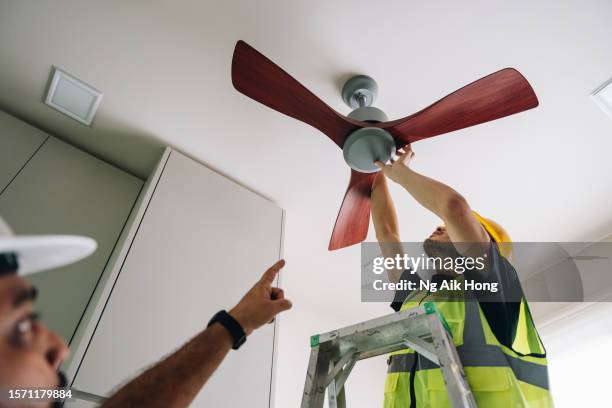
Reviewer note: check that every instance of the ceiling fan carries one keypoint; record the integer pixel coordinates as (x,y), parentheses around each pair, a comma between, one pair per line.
(366,134)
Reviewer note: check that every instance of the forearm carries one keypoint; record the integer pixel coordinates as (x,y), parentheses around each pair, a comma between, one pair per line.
(384,218)
(175,381)
(437,197)
(463,227)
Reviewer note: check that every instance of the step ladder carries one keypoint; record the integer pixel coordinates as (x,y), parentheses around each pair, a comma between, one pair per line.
(423,329)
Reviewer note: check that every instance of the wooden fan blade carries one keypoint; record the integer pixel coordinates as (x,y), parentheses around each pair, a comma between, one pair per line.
(500,94)
(354,215)
(262,80)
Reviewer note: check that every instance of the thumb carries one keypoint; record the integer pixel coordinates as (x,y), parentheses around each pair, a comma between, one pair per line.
(282,304)
(379,164)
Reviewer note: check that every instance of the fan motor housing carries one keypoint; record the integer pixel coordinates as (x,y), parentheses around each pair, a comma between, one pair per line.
(366,145)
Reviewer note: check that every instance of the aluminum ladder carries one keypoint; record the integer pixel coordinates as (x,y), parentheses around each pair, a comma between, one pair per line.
(423,329)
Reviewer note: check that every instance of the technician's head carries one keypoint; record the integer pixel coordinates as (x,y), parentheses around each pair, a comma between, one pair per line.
(30,354)
(439,243)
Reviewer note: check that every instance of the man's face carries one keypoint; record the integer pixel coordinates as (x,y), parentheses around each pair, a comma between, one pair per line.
(439,245)
(439,235)
(30,354)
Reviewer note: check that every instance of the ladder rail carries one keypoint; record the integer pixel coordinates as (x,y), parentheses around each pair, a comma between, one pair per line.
(457,386)
(314,390)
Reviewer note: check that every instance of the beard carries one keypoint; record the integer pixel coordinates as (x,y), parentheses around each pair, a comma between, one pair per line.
(441,250)
(437,249)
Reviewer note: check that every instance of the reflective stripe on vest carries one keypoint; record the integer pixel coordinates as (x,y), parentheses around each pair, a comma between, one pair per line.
(475,352)
(483,356)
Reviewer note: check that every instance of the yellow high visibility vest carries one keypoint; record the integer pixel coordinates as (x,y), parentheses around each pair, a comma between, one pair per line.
(498,376)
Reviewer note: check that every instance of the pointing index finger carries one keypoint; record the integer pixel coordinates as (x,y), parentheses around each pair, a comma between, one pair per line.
(270,274)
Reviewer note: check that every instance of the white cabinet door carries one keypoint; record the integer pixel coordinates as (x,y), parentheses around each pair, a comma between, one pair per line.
(202,243)
(18,142)
(63,190)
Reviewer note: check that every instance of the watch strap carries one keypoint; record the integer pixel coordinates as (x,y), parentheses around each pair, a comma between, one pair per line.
(232,326)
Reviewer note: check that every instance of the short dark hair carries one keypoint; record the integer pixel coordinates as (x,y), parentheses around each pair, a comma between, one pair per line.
(8,264)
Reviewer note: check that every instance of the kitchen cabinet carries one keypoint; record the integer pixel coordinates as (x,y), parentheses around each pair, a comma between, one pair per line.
(59,189)
(18,143)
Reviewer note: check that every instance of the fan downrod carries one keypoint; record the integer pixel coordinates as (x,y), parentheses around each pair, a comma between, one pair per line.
(362,147)
(360,90)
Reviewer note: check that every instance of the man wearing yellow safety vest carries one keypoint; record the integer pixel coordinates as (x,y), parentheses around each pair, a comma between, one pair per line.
(497,341)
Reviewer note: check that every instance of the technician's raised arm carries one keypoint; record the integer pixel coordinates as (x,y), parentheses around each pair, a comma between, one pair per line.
(446,203)
(384,218)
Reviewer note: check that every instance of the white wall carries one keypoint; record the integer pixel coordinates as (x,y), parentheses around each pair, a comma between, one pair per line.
(579,357)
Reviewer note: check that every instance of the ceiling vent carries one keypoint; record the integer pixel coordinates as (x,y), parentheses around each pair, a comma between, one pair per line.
(603,97)
(73,97)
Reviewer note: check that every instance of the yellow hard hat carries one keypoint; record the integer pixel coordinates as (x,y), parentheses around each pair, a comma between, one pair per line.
(497,234)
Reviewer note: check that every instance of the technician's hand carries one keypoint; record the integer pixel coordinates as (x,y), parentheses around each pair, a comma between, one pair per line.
(262,303)
(394,169)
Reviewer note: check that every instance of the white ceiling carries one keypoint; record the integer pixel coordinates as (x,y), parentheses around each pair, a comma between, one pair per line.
(164,68)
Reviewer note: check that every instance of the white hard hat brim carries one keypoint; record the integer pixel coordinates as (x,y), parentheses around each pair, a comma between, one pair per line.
(37,253)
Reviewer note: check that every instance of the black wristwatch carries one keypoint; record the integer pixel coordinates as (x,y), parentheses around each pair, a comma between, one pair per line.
(232,326)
